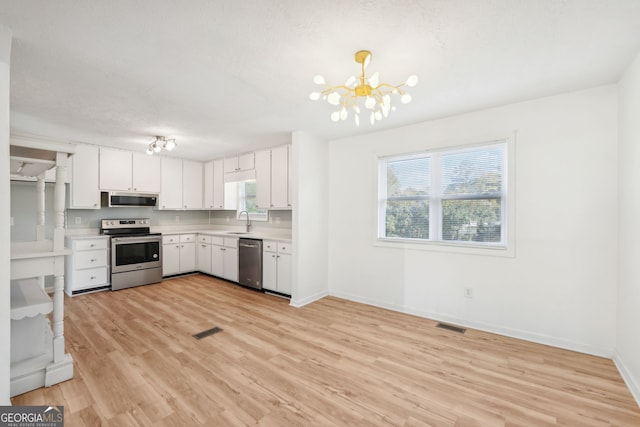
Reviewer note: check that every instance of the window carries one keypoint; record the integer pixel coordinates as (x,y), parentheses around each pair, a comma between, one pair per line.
(246,191)
(455,196)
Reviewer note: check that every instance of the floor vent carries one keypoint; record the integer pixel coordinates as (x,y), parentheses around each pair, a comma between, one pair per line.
(206,333)
(451,327)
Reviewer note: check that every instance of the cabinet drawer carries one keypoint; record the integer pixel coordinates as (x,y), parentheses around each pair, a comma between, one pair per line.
(217,240)
(284,248)
(88,244)
(90,259)
(203,238)
(186,238)
(89,278)
(269,246)
(230,242)
(173,238)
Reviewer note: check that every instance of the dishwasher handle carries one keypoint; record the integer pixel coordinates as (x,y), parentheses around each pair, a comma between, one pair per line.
(248,245)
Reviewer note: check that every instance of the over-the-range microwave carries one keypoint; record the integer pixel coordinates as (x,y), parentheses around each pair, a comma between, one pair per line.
(115,199)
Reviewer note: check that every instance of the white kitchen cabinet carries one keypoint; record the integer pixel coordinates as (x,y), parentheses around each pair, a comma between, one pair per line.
(280,177)
(115,169)
(178,254)
(84,185)
(191,184)
(273,178)
(145,173)
(224,257)
(87,270)
(263,179)
(171,183)
(214,184)
(204,253)
(276,267)
(122,170)
(241,162)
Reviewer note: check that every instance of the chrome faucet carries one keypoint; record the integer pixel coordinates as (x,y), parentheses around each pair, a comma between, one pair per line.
(248,220)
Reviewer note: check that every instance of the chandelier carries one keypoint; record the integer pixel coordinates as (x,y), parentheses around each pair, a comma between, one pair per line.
(377,96)
(160,143)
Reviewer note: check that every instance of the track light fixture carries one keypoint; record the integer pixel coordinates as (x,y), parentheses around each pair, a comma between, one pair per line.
(161,143)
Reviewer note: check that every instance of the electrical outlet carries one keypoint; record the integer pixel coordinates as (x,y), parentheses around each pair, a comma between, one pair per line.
(227,218)
(78,220)
(177,218)
(277,220)
(468,292)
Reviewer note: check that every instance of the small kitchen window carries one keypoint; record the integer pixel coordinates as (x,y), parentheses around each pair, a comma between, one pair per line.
(451,197)
(246,191)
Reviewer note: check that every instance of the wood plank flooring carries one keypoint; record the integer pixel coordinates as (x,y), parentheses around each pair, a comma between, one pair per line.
(333,362)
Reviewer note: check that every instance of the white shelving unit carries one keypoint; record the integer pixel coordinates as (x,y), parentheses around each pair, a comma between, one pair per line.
(38,355)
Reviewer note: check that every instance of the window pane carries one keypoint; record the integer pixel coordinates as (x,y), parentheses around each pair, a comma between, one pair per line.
(472,172)
(411,177)
(471,220)
(408,219)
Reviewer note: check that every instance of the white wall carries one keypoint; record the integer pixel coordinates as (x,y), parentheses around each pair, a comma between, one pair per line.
(5,328)
(560,287)
(310,218)
(628,338)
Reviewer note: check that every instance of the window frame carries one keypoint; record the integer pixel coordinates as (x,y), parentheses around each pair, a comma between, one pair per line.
(241,205)
(435,198)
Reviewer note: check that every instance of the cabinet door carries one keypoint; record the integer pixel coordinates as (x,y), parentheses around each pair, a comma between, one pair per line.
(217,260)
(146,173)
(218,184)
(171,184)
(187,257)
(231,264)
(207,186)
(191,184)
(270,271)
(245,161)
(284,274)
(115,170)
(84,187)
(170,259)
(263,179)
(280,177)
(204,258)
(230,164)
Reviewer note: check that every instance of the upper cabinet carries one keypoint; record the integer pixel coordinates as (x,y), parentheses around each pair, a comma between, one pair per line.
(122,170)
(191,184)
(145,173)
(83,186)
(181,184)
(239,163)
(214,184)
(273,178)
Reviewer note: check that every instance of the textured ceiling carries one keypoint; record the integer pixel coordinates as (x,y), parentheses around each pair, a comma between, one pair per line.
(230,76)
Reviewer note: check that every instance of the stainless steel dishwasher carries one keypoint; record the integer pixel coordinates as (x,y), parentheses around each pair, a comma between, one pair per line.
(250,263)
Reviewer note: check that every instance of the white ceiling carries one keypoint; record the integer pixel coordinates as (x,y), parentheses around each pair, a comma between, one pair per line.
(226,76)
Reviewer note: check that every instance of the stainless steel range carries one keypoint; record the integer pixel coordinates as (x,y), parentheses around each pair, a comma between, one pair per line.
(136,253)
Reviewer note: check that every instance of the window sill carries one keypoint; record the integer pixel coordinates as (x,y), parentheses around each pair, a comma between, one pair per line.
(458,248)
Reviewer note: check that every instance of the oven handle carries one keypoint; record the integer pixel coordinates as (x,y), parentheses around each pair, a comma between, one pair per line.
(136,239)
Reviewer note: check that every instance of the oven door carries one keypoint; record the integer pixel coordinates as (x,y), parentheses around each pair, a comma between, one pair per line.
(135,253)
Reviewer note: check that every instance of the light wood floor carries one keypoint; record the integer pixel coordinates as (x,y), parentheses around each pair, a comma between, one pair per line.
(333,362)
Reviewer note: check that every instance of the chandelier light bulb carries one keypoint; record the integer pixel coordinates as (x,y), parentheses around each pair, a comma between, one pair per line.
(149,150)
(369,92)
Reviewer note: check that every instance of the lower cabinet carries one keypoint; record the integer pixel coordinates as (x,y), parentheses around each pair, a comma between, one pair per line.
(224,257)
(276,267)
(87,270)
(178,254)
(203,251)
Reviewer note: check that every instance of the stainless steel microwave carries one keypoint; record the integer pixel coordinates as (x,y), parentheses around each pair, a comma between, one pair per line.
(117,199)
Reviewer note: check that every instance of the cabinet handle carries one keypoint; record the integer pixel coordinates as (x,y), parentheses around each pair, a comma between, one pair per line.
(95,204)
(93,260)
(177,246)
(92,278)
(91,245)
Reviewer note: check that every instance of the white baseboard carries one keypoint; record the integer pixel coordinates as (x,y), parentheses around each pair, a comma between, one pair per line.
(486,327)
(625,373)
(308,300)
